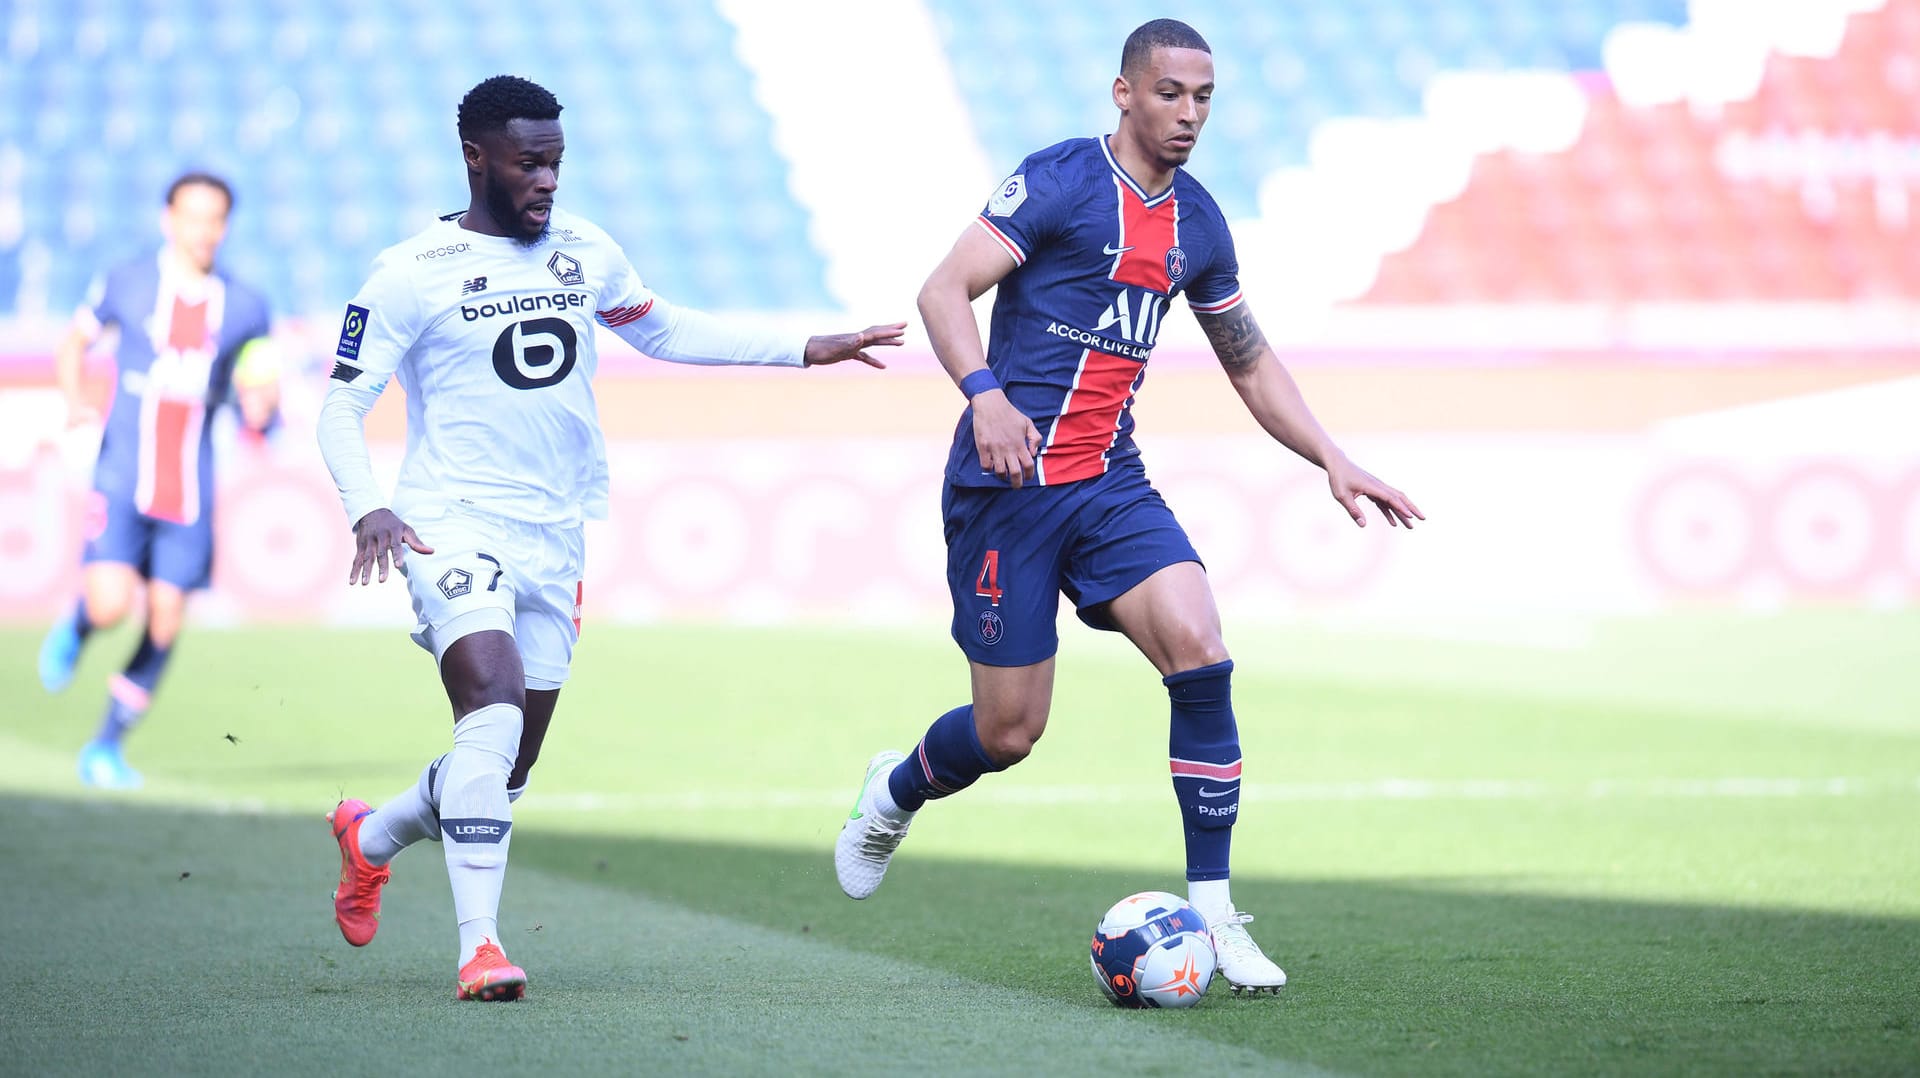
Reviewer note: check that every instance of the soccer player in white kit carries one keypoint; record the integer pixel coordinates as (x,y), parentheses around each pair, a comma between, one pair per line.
(488,319)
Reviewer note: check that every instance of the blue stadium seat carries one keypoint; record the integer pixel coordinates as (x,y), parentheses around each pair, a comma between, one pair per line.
(105,116)
(1033,74)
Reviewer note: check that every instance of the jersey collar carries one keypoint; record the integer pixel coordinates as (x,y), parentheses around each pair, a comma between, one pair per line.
(1133,185)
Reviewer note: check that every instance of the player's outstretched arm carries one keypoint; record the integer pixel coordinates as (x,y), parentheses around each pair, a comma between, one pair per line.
(838,347)
(1005,438)
(1274,399)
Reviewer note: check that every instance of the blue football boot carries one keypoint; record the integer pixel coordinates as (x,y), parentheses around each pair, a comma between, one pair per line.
(102,765)
(59,654)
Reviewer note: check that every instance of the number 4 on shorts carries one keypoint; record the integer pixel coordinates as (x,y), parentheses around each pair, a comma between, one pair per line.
(989,582)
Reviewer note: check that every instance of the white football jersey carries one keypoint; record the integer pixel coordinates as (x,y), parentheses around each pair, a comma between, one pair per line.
(493,341)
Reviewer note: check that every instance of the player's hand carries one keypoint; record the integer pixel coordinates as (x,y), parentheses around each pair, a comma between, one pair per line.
(377,536)
(836,347)
(1005,437)
(1350,483)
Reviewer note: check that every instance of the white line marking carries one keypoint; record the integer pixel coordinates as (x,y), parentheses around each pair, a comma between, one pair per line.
(1385,789)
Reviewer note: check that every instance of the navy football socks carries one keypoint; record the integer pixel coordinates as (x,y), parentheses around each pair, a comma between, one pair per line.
(130,692)
(1203,749)
(82,624)
(949,759)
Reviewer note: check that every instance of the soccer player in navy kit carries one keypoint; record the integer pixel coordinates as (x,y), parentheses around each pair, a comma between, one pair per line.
(182,324)
(1089,241)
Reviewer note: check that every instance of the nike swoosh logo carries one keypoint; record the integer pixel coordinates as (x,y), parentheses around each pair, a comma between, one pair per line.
(1204,792)
(1112,250)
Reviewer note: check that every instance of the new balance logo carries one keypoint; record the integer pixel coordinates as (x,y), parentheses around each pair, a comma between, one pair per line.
(344,373)
(478,284)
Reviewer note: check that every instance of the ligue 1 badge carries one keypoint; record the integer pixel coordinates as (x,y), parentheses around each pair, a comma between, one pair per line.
(1009,197)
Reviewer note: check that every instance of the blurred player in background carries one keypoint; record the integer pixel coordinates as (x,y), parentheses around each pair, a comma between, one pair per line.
(488,318)
(191,338)
(1089,242)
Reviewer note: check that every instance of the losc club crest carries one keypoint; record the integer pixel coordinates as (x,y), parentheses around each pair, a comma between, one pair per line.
(455,582)
(566,269)
(990,628)
(1176,264)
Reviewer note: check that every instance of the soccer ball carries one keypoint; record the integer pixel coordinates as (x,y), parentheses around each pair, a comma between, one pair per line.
(1153,950)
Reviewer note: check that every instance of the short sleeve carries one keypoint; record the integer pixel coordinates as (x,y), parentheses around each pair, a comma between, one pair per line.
(1216,288)
(380,325)
(1027,210)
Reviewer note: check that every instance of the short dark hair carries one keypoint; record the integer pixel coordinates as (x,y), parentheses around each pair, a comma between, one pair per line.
(1158,34)
(489,106)
(200,179)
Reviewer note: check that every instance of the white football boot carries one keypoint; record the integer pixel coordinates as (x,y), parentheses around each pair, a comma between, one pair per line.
(868,838)
(1241,961)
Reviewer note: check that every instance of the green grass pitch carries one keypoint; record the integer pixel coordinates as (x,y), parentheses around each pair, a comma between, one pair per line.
(1690,846)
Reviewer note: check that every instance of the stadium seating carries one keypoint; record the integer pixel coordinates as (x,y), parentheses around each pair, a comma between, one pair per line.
(1282,67)
(340,141)
(337,132)
(1803,192)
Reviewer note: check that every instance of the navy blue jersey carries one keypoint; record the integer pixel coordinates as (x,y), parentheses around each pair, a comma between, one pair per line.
(1098,261)
(174,364)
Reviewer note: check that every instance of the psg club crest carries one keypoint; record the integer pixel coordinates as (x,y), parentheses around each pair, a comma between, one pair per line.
(1176,264)
(990,628)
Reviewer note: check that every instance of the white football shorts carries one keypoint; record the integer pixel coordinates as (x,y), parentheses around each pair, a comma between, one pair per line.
(493,572)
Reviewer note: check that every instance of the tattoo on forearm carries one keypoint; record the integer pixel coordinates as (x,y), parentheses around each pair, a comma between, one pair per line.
(1236,337)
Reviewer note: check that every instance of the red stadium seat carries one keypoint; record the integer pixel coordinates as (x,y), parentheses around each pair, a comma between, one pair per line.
(1645,206)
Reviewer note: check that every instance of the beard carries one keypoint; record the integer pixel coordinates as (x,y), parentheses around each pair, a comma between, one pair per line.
(505,214)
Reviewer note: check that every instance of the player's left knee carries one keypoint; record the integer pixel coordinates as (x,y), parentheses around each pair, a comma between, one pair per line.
(1198,653)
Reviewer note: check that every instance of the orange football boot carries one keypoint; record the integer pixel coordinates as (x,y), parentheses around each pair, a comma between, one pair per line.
(356,902)
(489,977)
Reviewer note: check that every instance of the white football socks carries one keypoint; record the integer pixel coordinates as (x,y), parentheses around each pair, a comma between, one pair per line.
(477,819)
(885,805)
(413,815)
(1210,898)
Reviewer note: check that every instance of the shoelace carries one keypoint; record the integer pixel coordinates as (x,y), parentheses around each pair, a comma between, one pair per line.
(882,837)
(366,885)
(1228,935)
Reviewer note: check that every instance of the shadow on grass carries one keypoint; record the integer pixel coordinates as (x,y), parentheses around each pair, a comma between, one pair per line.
(1401,977)
(1384,976)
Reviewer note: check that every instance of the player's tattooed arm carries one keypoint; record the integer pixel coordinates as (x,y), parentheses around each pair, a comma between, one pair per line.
(1236,338)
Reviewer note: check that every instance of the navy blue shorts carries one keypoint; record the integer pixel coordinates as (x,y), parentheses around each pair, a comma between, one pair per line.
(1011,554)
(179,554)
